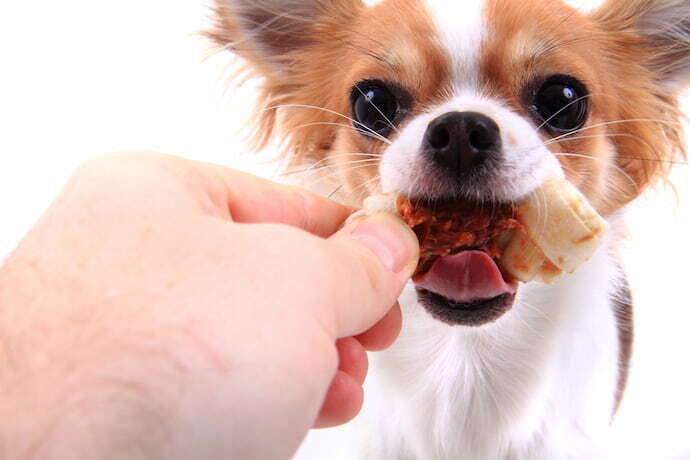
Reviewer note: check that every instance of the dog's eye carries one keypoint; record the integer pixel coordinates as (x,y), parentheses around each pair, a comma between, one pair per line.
(374,107)
(561,103)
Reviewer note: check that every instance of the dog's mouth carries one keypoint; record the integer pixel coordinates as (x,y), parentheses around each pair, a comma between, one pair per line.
(459,280)
(465,288)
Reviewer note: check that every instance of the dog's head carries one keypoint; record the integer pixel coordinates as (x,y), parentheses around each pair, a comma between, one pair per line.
(478,99)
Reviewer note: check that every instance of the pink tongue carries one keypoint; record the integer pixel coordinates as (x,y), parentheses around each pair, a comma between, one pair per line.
(465,277)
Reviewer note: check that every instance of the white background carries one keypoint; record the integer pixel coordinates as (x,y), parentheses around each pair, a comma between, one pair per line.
(82,77)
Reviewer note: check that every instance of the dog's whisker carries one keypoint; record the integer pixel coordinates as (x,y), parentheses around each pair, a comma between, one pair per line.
(364,185)
(367,164)
(632,136)
(617,168)
(318,165)
(613,122)
(330,195)
(346,167)
(626,135)
(332,112)
(360,195)
(592,95)
(658,157)
(565,136)
(372,134)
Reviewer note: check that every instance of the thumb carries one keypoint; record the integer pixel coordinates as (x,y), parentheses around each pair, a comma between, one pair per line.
(377,254)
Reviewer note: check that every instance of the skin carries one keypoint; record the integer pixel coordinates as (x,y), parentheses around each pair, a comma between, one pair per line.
(163,308)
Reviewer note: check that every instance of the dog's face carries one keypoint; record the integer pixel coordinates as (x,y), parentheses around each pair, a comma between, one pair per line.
(477,99)
(480,98)
(473,99)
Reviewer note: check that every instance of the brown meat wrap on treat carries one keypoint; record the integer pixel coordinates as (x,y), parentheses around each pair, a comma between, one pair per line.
(446,228)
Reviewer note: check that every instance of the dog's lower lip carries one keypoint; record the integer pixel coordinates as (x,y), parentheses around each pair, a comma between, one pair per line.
(474,305)
(475,313)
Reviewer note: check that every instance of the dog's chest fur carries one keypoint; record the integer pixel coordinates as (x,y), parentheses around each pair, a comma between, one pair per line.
(539,383)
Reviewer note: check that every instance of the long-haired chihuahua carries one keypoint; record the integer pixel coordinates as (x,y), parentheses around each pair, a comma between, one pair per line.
(480,100)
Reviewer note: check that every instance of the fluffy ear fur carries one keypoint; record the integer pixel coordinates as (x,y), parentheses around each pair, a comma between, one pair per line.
(267,32)
(664,25)
(292,45)
(646,50)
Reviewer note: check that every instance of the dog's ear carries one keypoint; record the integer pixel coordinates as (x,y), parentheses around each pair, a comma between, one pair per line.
(645,49)
(663,27)
(292,46)
(269,33)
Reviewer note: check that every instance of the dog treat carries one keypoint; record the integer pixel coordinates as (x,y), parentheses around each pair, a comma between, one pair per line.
(563,224)
(525,261)
(441,232)
(562,231)
(440,229)
(553,230)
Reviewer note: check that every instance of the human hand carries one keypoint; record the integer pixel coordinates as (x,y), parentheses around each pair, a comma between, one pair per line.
(163,308)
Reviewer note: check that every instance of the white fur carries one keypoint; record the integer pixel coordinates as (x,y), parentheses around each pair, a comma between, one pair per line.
(461,26)
(527,162)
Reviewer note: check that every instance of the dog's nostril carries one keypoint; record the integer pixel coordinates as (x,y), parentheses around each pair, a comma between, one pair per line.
(462,141)
(440,138)
(482,139)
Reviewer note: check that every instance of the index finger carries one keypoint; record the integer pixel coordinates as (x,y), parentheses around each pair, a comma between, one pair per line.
(251,199)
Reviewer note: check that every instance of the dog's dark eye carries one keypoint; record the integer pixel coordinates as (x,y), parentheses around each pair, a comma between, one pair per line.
(561,103)
(374,107)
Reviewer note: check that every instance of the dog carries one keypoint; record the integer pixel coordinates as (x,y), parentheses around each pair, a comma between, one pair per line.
(479,100)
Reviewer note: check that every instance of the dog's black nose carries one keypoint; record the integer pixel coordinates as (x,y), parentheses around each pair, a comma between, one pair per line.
(462,141)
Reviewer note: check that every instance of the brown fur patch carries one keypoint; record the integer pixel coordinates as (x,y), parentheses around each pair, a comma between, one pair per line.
(308,74)
(392,42)
(402,34)
(592,49)
(633,117)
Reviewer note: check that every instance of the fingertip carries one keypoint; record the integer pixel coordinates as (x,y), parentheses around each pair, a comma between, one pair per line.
(384,333)
(343,401)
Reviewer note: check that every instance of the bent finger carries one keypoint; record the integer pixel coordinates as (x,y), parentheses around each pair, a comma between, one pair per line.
(250,199)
